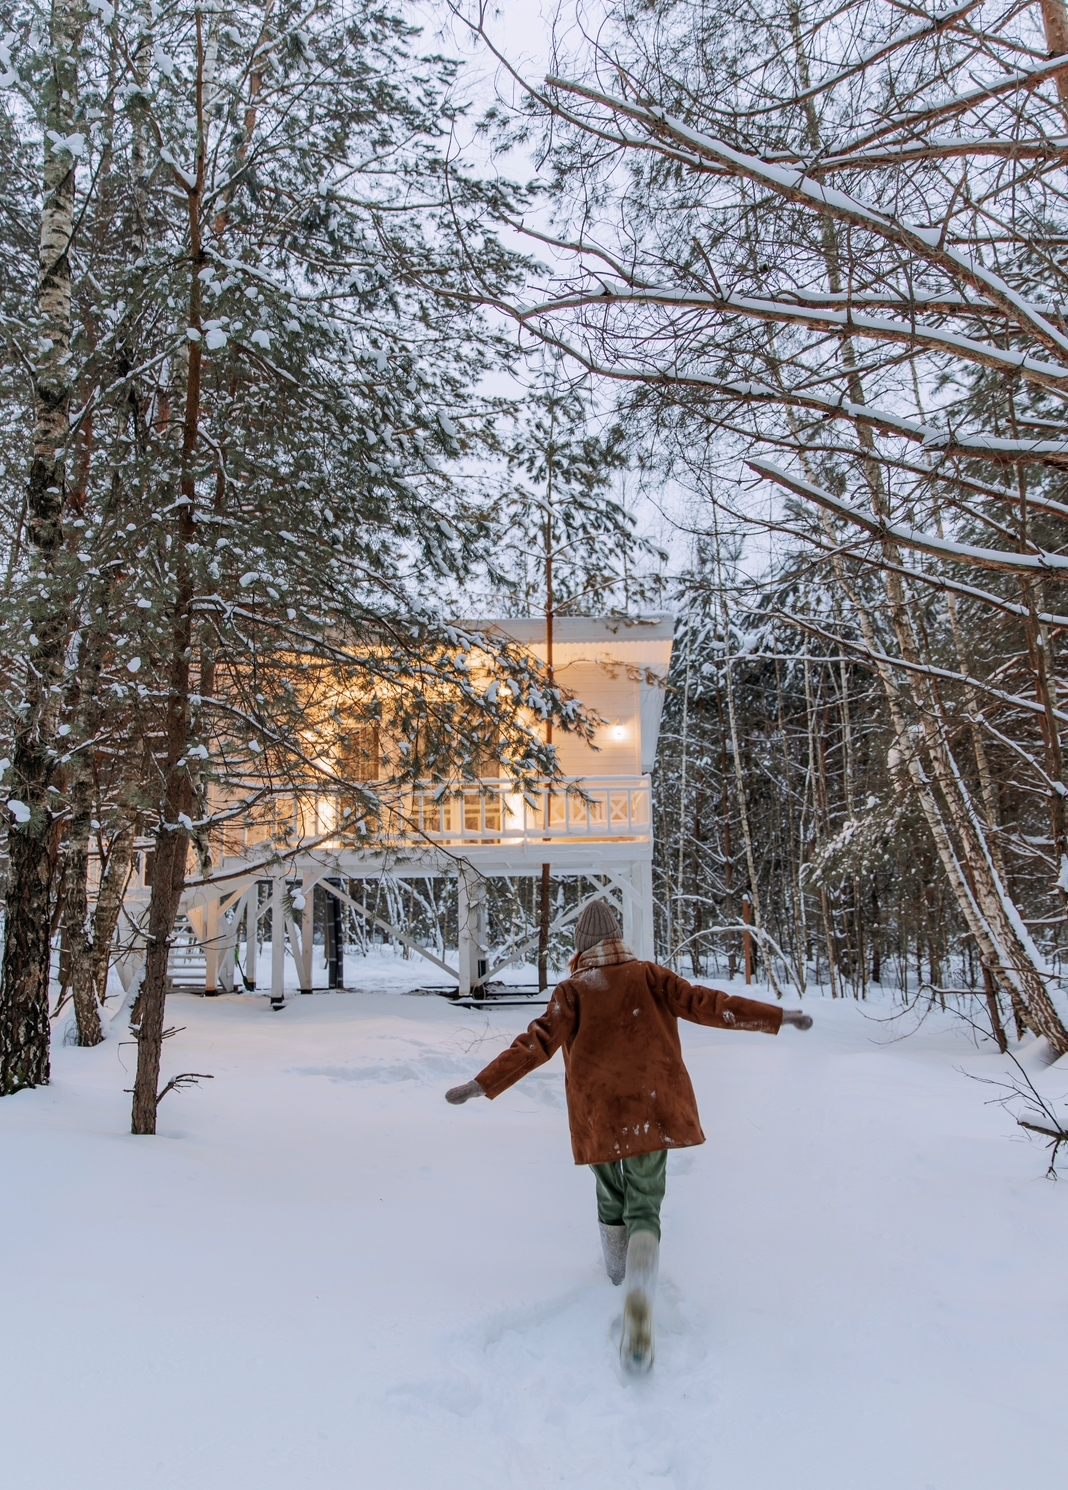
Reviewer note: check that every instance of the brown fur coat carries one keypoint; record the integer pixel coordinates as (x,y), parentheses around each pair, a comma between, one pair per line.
(616,1020)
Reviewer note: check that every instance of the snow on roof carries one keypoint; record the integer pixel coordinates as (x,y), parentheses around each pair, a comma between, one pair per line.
(657,626)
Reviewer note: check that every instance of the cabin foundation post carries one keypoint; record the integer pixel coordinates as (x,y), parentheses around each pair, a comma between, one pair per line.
(334,938)
(641,876)
(464,939)
(303,936)
(479,932)
(257,907)
(278,943)
(211,947)
(227,948)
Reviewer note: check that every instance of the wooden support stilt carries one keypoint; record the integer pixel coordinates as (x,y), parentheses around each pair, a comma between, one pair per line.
(211,947)
(278,943)
(302,938)
(464,939)
(335,938)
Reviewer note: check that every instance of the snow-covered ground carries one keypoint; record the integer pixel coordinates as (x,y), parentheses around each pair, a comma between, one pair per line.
(319,1275)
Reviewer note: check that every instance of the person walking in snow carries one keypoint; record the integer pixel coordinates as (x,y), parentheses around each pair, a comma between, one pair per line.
(629,1096)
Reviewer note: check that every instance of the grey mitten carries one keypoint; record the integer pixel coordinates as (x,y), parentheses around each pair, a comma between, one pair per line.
(458,1094)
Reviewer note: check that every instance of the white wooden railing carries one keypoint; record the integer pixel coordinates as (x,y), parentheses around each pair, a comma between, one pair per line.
(591,809)
(594,808)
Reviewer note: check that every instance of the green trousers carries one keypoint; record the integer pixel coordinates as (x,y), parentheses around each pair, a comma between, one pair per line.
(631,1191)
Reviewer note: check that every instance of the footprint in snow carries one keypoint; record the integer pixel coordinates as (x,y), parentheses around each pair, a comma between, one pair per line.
(426,1069)
(456,1394)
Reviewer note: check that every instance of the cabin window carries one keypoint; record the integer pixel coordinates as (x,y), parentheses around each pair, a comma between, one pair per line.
(472,813)
(359,758)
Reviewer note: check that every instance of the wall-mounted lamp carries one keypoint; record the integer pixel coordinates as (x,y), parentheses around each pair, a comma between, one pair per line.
(617,731)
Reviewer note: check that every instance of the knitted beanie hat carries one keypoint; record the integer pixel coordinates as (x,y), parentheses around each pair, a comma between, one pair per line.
(596,923)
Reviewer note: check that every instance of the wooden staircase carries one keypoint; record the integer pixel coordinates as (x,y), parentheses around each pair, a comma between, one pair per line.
(187,966)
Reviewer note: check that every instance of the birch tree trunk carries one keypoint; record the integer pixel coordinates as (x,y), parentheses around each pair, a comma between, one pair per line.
(24,1027)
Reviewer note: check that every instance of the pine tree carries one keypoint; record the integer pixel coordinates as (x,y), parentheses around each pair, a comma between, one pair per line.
(267,402)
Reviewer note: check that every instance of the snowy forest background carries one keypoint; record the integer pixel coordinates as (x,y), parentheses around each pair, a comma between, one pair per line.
(326,323)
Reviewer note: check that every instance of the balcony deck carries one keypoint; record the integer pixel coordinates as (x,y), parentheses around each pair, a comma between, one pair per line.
(489,824)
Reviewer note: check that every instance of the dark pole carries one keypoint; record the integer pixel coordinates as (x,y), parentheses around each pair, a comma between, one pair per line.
(334,931)
(546,869)
(307,933)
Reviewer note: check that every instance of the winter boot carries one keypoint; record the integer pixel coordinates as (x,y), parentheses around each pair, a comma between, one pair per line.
(614,1247)
(636,1346)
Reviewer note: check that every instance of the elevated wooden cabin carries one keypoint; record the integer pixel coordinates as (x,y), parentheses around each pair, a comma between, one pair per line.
(595,822)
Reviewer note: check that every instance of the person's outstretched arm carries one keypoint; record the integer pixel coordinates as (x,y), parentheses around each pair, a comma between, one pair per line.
(727,1011)
(536,1045)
